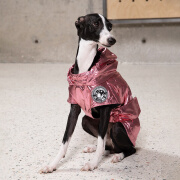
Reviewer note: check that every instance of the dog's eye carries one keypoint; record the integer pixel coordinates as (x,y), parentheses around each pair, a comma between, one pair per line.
(109,28)
(96,24)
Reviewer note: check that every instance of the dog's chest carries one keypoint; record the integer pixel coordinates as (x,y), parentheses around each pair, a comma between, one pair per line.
(85,55)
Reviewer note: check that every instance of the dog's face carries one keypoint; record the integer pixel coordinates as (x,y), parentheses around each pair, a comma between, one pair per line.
(95,27)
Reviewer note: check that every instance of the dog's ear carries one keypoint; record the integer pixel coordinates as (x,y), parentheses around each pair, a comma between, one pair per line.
(80,22)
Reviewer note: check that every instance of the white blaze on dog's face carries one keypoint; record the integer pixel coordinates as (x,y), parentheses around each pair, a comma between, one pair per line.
(105,37)
(95,27)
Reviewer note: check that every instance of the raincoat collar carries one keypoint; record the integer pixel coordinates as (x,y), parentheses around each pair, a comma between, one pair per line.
(100,72)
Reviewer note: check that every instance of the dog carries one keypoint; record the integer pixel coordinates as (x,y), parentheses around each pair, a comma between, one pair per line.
(96,87)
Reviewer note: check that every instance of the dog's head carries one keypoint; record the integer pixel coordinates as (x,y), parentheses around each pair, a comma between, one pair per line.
(95,27)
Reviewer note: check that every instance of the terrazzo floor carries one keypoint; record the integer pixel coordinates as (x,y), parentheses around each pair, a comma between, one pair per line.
(33,115)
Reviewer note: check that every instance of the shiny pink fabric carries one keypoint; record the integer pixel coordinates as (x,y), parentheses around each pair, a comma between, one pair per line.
(104,73)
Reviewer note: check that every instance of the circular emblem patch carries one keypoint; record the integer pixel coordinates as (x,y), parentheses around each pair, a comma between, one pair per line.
(99,94)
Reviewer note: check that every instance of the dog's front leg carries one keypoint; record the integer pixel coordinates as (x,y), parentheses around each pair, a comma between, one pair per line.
(71,123)
(103,125)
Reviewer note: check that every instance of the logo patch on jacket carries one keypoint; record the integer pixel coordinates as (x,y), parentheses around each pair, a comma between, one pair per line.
(99,94)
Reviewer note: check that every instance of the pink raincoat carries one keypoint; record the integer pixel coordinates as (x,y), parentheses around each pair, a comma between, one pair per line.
(103,85)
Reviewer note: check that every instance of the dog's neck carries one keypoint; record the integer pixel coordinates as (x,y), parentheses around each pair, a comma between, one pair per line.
(86,53)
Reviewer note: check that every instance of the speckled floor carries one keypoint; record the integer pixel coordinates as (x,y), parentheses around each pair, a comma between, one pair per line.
(33,113)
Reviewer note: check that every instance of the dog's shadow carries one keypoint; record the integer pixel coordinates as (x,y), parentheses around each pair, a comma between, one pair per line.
(149,163)
(144,164)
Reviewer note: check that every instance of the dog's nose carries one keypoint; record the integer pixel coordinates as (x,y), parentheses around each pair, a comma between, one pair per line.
(111,41)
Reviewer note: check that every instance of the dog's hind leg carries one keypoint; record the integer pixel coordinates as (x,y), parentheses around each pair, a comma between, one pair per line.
(91,127)
(123,147)
(71,123)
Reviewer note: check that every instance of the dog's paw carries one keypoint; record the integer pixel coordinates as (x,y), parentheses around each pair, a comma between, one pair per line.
(47,169)
(117,157)
(88,167)
(89,149)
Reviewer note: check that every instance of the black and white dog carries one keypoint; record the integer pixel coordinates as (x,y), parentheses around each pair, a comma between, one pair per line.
(93,30)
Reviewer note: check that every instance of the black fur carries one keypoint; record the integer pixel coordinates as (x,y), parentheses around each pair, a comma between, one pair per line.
(72,120)
(90,26)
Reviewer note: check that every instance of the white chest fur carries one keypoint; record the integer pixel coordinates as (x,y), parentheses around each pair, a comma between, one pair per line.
(87,52)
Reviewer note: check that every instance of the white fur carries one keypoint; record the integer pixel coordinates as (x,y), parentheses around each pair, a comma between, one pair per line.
(86,54)
(89,148)
(53,165)
(105,34)
(117,157)
(98,155)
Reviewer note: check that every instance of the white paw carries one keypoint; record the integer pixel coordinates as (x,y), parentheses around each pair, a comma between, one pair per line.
(117,157)
(88,167)
(89,149)
(47,169)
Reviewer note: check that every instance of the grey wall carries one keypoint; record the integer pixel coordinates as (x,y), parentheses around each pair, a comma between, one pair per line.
(43,31)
